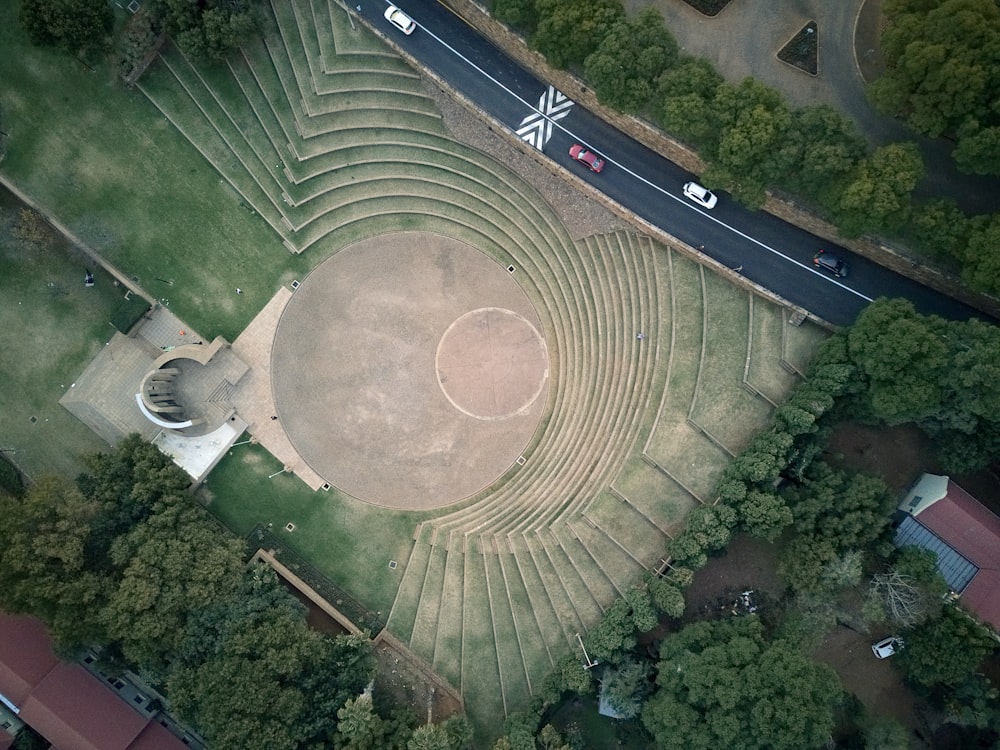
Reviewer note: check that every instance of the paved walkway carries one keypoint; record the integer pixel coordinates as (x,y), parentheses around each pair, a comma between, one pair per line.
(744,39)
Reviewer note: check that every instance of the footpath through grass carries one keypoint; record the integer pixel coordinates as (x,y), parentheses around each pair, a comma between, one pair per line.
(104,162)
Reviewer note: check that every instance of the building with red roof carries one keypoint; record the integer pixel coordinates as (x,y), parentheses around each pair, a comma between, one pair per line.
(70,706)
(942,517)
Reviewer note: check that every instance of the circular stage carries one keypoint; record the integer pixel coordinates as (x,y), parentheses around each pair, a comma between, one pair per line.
(409,370)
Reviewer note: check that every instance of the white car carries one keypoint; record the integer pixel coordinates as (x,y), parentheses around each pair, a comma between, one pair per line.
(400,20)
(700,195)
(887,647)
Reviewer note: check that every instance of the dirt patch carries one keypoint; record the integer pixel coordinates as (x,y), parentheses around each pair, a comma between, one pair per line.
(876,683)
(410,681)
(897,454)
(747,564)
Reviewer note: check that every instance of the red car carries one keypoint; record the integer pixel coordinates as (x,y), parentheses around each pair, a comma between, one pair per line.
(594,162)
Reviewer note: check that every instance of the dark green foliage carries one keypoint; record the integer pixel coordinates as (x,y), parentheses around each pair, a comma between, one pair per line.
(686,101)
(827,147)
(73,25)
(937,373)
(614,635)
(943,74)
(126,560)
(172,565)
(43,561)
(763,514)
(876,194)
(903,358)
(520,14)
(632,55)
(940,229)
(946,650)
(570,30)
(753,150)
(626,686)
(138,41)
(980,258)
(667,597)
(127,483)
(834,513)
(721,684)
(520,729)
(209,29)
(974,702)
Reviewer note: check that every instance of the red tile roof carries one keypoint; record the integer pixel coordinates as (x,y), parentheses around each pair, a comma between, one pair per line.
(973,530)
(25,655)
(72,709)
(66,704)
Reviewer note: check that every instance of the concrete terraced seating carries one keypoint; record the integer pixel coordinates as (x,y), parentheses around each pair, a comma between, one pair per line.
(526,552)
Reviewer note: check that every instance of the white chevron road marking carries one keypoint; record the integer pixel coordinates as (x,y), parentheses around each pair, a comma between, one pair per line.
(536,128)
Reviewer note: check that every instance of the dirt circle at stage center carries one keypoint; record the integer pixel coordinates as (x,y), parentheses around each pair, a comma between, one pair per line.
(409,371)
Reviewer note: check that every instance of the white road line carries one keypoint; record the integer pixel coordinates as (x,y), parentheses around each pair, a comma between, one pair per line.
(642,179)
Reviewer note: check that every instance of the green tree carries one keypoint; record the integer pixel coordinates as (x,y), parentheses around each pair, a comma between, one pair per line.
(763,514)
(172,565)
(827,148)
(629,60)
(943,74)
(550,739)
(754,150)
(626,686)
(570,30)
(684,104)
(614,634)
(359,727)
(939,228)
(429,737)
(74,25)
(127,482)
(876,195)
(885,733)
(903,359)
(980,259)
(43,562)
(208,29)
(974,702)
(667,598)
(946,650)
(521,14)
(722,684)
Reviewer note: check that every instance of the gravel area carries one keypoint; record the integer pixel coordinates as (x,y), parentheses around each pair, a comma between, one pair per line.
(582,214)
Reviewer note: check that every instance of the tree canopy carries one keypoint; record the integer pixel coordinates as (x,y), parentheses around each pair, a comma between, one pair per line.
(570,30)
(945,650)
(208,29)
(128,561)
(722,684)
(943,74)
(629,60)
(73,25)
(935,373)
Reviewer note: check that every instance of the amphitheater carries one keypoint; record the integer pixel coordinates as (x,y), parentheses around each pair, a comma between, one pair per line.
(333,140)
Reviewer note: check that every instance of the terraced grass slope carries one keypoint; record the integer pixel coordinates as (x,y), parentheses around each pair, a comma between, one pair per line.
(330,138)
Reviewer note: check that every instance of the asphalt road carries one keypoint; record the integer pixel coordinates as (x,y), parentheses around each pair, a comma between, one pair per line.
(765,249)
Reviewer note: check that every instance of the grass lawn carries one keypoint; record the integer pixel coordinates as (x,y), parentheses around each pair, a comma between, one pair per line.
(117,174)
(350,541)
(52,327)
